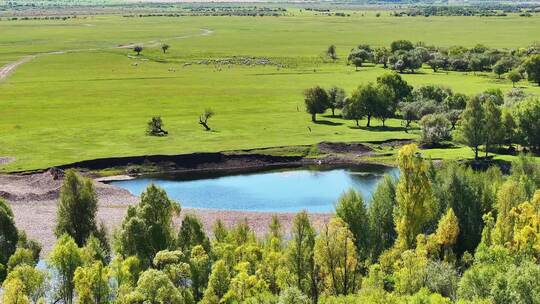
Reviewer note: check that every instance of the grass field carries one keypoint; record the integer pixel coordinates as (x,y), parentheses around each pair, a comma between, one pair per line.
(93,102)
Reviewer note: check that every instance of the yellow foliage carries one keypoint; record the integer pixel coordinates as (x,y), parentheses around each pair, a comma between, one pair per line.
(526,218)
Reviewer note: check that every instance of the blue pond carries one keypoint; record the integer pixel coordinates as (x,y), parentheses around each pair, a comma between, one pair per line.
(284,190)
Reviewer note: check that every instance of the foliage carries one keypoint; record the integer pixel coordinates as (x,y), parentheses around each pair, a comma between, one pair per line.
(472,128)
(147,227)
(155,127)
(352,210)
(435,129)
(316,101)
(380,216)
(24,284)
(77,208)
(335,255)
(414,197)
(532,67)
(528,115)
(64,260)
(8,236)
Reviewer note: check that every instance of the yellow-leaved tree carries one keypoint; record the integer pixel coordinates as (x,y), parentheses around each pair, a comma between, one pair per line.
(414,196)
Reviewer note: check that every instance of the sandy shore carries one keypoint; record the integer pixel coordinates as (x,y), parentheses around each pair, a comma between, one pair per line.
(34,197)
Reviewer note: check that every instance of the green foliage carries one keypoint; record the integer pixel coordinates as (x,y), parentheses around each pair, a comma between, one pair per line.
(293,296)
(528,115)
(336,98)
(76,215)
(192,234)
(92,284)
(532,67)
(352,210)
(300,256)
(218,283)
(64,259)
(472,128)
(8,235)
(335,255)
(24,284)
(147,228)
(21,256)
(316,101)
(397,84)
(381,216)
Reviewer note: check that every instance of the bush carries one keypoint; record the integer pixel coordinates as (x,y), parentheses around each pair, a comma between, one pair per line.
(155,127)
(435,129)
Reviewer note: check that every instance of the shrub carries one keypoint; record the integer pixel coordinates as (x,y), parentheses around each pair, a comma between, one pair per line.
(435,129)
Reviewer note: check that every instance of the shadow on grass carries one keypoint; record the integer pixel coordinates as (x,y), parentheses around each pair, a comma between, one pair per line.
(379,128)
(327,122)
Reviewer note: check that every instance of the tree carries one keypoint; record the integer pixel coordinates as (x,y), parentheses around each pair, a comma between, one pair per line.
(336,98)
(21,256)
(203,119)
(64,259)
(514,76)
(200,265)
(532,68)
(352,210)
(155,127)
(447,233)
(472,130)
(510,195)
(331,52)
(316,101)
(300,259)
(165,47)
(24,282)
(387,103)
(8,236)
(380,214)
(138,49)
(435,129)
(336,256)
(493,125)
(398,45)
(401,89)
(414,197)
(292,295)
(154,286)
(499,69)
(218,283)
(526,220)
(147,227)
(358,56)
(410,111)
(381,56)
(92,284)
(76,215)
(192,234)
(528,116)
(365,100)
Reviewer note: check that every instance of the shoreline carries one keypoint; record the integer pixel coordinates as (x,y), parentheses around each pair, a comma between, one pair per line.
(33,196)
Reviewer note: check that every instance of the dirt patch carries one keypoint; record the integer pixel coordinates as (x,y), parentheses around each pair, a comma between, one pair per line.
(6,160)
(395,143)
(344,148)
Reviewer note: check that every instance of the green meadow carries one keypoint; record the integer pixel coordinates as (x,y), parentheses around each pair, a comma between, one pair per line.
(93,99)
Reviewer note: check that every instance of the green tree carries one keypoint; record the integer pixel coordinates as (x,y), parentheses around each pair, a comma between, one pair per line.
(138,49)
(316,101)
(414,197)
(8,236)
(331,52)
(510,195)
(528,116)
(147,227)
(336,98)
(435,129)
(398,45)
(532,68)
(380,214)
(154,287)
(514,76)
(447,233)
(493,125)
(21,256)
(165,47)
(335,255)
(381,55)
(365,99)
(401,89)
(200,265)
(472,128)
(218,283)
(92,284)
(77,208)
(352,210)
(192,234)
(300,257)
(64,259)
(25,282)
(358,56)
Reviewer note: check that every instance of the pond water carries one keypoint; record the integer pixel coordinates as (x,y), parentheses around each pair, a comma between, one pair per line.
(315,189)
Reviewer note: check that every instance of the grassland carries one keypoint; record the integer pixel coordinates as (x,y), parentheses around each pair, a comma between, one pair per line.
(93,101)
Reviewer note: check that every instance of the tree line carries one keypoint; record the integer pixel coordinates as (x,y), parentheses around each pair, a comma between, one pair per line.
(490,119)
(445,235)
(404,55)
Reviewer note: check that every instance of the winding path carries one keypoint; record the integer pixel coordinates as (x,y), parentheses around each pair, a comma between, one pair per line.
(9,68)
